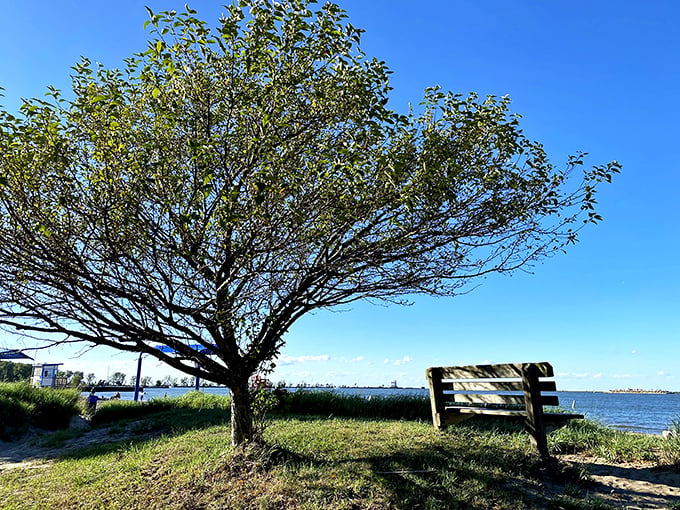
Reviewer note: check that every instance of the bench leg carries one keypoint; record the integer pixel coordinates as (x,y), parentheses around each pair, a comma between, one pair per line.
(532,399)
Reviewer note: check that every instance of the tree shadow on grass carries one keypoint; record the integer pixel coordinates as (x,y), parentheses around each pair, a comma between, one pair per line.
(462,478)
(449,472)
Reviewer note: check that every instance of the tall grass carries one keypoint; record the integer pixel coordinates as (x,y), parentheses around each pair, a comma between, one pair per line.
(327,403)
(116,410)
(22,406)
(671,446)
(591,436)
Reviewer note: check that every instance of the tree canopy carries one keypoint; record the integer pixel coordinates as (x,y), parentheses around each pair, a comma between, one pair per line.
(229,180)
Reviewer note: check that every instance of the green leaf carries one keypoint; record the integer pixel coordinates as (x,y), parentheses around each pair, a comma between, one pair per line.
(156,92)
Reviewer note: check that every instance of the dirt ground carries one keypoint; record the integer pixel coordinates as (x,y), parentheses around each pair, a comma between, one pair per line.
(629,486)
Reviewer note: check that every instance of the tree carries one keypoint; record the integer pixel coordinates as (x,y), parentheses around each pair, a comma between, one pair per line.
(168,380)
(77,378)
(14,372)
(72,378)
(91,379)
(227,182)
(117,379)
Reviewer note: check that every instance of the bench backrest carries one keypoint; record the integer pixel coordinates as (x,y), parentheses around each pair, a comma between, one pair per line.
(519,384)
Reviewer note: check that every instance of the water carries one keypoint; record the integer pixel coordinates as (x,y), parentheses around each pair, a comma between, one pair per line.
(634,412)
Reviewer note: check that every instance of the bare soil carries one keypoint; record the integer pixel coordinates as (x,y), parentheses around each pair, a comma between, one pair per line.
(631,486)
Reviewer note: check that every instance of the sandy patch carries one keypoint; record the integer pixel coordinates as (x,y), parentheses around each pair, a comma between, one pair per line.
(631,486)
(34,449)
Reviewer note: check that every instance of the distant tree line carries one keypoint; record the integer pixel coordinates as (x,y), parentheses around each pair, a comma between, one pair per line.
(14,372)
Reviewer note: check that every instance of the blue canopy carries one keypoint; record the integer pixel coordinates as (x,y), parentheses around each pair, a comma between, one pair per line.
(196,347)
(14,354)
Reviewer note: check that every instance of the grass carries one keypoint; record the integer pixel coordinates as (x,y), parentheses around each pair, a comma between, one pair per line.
(671,447)
(23,406)
(176,454)
(587,436)
(330,403)
(311,463)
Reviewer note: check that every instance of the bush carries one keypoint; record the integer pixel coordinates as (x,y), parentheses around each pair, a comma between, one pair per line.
(22,405)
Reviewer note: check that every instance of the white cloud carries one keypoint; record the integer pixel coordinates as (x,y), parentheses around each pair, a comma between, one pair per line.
(290,360)
(661,372)
(597,376)
(358,358)
(386,361)
(402,361)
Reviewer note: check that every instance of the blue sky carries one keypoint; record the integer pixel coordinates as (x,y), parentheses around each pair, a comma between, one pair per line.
(601,77)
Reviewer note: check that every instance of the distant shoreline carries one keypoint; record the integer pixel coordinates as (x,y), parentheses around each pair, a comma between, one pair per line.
(646,392)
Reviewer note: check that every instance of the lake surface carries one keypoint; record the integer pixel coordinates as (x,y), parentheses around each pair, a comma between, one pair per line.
(635,412)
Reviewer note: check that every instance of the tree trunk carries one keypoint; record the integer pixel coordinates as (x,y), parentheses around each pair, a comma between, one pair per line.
(241,414)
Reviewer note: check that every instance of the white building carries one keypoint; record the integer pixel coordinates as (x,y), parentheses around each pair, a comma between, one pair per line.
(45,375)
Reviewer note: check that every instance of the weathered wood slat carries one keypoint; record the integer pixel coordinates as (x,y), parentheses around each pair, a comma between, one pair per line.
(484,410)
(557,418)
(545,386)
(486,386)
(508,370)
(492,398)
(488,398)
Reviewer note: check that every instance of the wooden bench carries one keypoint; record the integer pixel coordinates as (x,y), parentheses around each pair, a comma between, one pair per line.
(514,391)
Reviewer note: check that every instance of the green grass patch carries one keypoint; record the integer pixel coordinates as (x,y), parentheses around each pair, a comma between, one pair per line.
(194,403)
(590,436)
(309,463)
(671,447)
(330,403)
(23,405)
(314,462)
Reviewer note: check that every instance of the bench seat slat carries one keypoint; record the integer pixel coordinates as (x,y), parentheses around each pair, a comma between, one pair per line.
(552,418)
(555,418)
(484,410)
(490,398)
